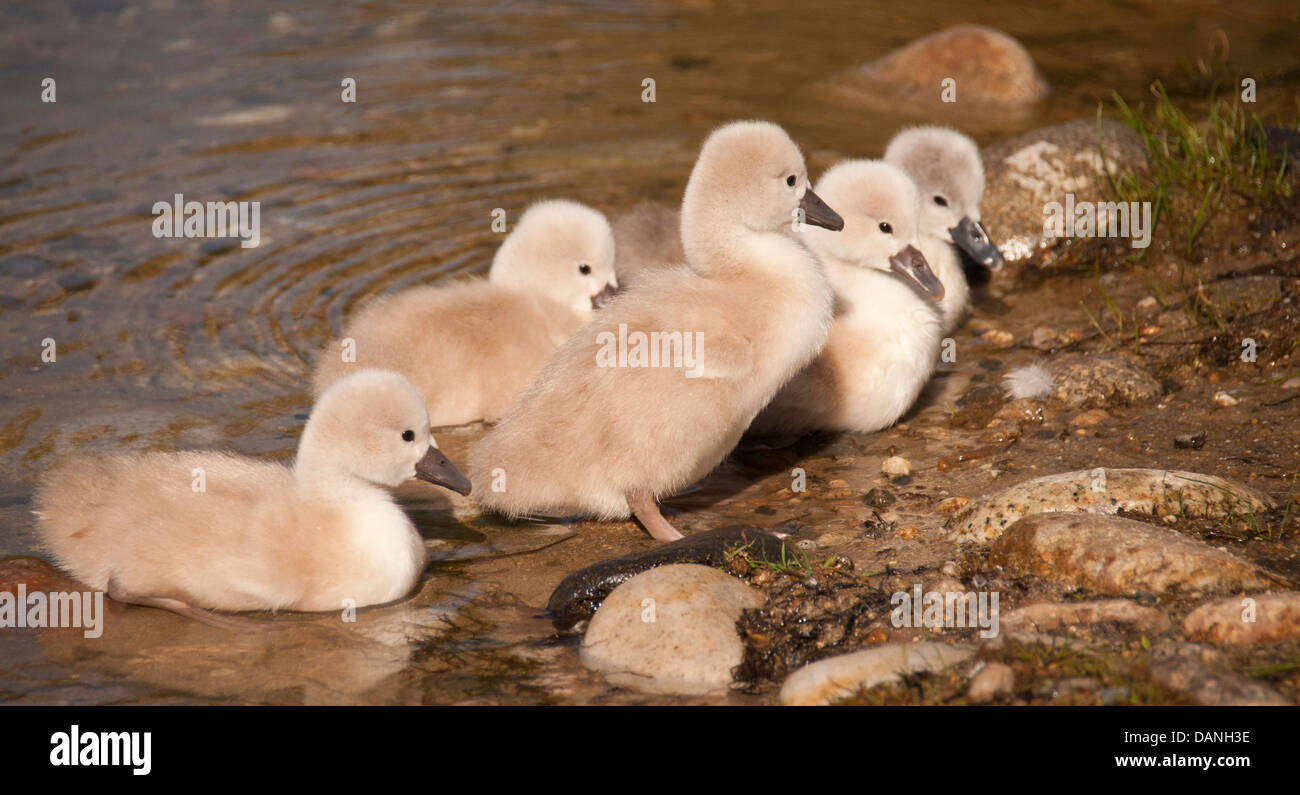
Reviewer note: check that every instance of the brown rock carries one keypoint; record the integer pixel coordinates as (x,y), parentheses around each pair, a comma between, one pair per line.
(1243,621)
(1214,687)
(1049,616)
(987,65)
(1119,556)
(992,681)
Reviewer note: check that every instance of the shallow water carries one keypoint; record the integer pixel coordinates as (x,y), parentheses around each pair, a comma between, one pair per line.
(462,108)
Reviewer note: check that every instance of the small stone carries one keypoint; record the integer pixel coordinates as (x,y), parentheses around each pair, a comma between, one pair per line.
(670,630)
(896,465)
(1089,418)
(878,498)
(837,677)
(908,533)
(1291,383)
(1112,555)
(1225,400)
(1190,441)
(1148,307)
(952,504)
(992,681)
(1244,621)
(1045,338)
(997,338)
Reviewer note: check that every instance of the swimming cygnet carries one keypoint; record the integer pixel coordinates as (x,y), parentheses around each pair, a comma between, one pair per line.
(886,336)
(658,389)
(195,531)
(471,347)
(946,166)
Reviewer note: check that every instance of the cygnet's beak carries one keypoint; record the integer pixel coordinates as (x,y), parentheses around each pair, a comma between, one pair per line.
(970,237)
(911,265)
(436,469)
(603,297)
(817,213)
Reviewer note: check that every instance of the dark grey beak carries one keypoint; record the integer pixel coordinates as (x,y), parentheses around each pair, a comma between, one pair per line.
(911,265)
(603,297)
(970,237)
(817,213)
(436,469)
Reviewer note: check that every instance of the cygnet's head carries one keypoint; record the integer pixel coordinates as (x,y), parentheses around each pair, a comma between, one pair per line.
(373,425)
(946,166)
(563,250)
(882,208)
(749,177)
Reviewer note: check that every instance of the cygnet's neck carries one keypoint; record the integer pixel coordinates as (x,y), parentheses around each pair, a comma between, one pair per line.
(323,478)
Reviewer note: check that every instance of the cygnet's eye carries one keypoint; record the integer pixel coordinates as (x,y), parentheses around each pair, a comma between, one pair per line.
(941,201)
(790,180)
(886,228)
(584,269)
(408,436)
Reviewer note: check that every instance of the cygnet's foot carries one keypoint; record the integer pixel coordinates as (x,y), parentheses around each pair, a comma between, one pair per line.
(233,623)
(643,506)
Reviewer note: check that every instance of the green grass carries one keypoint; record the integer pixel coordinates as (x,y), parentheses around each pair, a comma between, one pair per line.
(1196,169)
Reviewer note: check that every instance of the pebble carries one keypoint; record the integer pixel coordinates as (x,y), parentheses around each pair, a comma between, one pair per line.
(1291,383)
(1089,418)
(1111,555)
(1225,400)
(1211,686)
(1051,616)
(1150,491)
(837,677)
(878,498)
(998,339)
(670,631)
(952,504)
(1275,616)
(1148,307)
(1190,441)
(991,682)
(1045,338)
(896,465)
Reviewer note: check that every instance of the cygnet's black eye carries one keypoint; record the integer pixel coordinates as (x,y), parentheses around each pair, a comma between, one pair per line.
(790,180)
(584,269)
(941,201)
(886,228)
(408,436)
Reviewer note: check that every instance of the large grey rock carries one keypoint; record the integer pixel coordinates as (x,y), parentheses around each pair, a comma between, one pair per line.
(1024,173)
(1111,555)
(836,677)
(670,630)
(1160,492)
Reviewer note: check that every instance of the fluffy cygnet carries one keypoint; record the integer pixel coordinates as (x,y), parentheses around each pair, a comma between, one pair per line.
(194,531)
(946,166)
(615,420)
(472,346)
(886,336)
(647,238)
